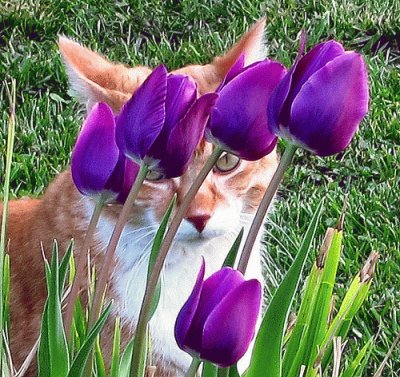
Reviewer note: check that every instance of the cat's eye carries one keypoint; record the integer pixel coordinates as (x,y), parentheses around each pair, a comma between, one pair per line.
(153,175)
(227,163)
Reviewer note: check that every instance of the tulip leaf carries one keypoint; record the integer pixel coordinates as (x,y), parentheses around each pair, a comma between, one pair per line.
(125,363)
(63,269)
(100,366)
(57,342)
(160,235)
(233,371)
(43,350)
(266,358)
(231,257)
(79,364)
(154,252)
(209,370)
(116,348)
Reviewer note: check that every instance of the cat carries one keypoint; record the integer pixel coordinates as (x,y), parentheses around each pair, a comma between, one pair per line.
(226,201)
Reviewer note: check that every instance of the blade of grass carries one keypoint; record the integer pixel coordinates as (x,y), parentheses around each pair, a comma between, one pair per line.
(63,269)
(125,363)
(320,315)
(231,257)
(385,360)
(266,357)
(11,93)
(58,348)
(354,368)
(154,252)
(354,298)
(295,349)
(116,348)
(78,365)
(100,366)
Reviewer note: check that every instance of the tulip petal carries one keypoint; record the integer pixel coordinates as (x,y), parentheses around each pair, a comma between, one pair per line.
(184,137)
(185,316)
(95,154)
(215,288)
(236,68)
(181,93)
(314,60)
(277,101)
(131,170)
(142,117)
(239,121)
(230,327)
(330,105)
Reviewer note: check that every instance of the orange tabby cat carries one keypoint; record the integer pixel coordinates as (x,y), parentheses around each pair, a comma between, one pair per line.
(226,202)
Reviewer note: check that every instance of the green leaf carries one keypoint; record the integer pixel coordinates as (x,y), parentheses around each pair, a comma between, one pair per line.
(6,293)
(209,370)
(313,315)
(100,367)
(125,364)
(154,252)
(63,269)
(357,366)
(298,338)
(43,350)
(320,317)
(79,363)
(233,371)
(58,348)
(78,326)
(266,357)
(160,236)
(116,349)
(231,257)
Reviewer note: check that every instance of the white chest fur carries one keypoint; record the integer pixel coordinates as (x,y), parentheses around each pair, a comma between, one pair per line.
(177,279)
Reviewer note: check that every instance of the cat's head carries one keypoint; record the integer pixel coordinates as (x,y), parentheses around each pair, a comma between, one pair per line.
(231,192)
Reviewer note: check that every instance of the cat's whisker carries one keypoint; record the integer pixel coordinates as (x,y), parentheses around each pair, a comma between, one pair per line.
(149,233)
(139,262)
(134,231)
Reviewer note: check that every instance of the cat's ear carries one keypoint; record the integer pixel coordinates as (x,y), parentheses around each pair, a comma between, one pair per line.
(95,79)
(251,45)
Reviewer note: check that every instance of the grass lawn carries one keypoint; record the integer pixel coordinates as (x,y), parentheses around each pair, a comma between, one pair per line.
(181,32)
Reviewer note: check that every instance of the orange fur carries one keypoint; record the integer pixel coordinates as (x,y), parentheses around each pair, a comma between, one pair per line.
(60,213)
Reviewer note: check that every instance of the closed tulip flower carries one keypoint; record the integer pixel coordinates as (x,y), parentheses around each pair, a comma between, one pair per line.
(238,123)
(217,323)
(163,122)
(98,167)
(322,99)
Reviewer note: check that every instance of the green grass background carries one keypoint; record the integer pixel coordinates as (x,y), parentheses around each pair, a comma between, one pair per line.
(182,32)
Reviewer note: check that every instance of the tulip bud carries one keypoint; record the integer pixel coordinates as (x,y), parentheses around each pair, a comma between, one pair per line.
(321,101)
(163,122)
(217,322)
(97,166)
(238,123)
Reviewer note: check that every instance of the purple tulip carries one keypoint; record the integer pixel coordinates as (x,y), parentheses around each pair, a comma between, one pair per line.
(217,322)
(98,167)
(238,122)
(322,99)
(163,122)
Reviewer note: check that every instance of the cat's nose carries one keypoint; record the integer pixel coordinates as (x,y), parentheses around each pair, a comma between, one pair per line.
(199,222)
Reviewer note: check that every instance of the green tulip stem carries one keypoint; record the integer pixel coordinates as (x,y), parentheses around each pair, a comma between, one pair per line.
(223,372)
(145,310)
(112,245)
(80,266)
(264,205)
(194,366)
